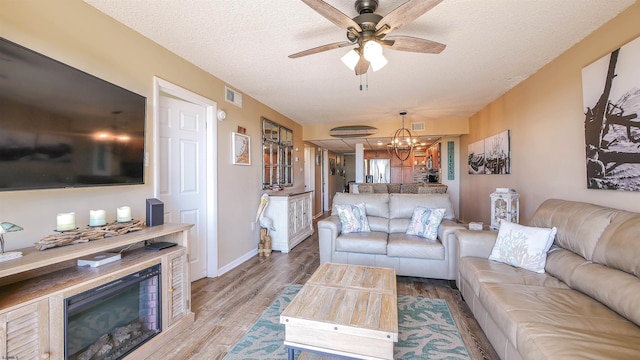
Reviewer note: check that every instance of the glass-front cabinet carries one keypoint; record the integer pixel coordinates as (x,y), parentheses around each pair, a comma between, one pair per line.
(277,145)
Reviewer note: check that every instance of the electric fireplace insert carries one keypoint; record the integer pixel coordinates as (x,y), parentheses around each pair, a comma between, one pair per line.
(112,320)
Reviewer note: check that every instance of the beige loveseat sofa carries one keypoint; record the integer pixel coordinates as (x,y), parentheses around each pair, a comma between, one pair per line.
(387,244)
(587,303)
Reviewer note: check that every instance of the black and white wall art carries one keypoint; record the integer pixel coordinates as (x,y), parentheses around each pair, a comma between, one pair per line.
(611,95)
(491,155)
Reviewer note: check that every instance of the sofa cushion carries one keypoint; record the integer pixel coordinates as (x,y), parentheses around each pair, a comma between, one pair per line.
(373,242)
(478,271)
(544,341)
(401,208)
(523,246)
(561,263)
(353,218)
(425,222)
(619,248)
(412,246)
(376,207)
(579,225)
(616,289)
(513,307)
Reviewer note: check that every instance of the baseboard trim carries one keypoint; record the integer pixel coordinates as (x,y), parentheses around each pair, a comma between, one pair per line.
(232,265)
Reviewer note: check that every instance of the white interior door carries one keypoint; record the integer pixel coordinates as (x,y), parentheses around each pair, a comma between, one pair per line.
(182,173)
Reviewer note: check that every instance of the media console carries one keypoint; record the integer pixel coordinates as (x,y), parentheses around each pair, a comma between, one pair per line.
(35,286)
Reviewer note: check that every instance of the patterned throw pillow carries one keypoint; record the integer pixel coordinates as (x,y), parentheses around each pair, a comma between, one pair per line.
(425,222)
(353,218)
(523,246)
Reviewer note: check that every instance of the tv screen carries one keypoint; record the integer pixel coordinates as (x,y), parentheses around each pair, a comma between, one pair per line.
(61,127)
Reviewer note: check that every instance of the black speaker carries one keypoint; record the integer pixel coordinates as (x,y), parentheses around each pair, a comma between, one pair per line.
(155,212)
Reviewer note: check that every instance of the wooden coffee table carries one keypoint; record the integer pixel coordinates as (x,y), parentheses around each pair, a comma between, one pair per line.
(345,310)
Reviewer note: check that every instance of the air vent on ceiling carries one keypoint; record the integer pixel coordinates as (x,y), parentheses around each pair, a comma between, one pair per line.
(233,96)
(417,126)
(352,131)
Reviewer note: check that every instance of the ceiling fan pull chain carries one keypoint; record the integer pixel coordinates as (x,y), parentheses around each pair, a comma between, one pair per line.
(367,79)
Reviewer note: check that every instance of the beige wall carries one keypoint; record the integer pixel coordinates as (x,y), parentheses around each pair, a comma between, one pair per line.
(546,118)
(78,35)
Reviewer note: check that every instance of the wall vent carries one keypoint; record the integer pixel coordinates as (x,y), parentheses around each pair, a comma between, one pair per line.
(233,96)
(417,126)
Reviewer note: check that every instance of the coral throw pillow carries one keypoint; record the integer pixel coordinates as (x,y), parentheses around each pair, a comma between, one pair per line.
(523,246)
(353,218)
(425,222)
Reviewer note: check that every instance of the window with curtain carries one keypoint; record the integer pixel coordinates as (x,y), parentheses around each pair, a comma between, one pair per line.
(277,146)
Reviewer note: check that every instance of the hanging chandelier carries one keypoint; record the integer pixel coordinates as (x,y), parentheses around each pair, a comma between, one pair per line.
(402,142)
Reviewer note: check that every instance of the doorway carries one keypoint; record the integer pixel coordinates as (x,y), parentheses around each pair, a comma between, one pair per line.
(185,175)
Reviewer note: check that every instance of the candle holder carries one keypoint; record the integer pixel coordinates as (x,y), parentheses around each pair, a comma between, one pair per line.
(123,214)
(67,230)
(66,222)
(97,218)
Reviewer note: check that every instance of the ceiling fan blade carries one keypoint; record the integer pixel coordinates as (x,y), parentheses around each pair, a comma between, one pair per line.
(408,43)
(404,14)
(322,48)
(332,14)
(362,66)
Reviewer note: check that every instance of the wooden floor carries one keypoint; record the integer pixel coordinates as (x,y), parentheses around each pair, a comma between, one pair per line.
(225,307)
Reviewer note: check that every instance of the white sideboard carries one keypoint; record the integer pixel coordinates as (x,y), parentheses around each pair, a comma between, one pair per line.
(292,219)
(33,289)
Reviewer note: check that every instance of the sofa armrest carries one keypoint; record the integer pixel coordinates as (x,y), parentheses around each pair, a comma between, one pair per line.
(446,232)
(476,243)
(328,231)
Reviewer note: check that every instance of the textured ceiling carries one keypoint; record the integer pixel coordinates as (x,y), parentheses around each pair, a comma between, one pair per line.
(492,45)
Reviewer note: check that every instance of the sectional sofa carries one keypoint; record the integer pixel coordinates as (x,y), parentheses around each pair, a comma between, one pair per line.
(387,244)
(586,305)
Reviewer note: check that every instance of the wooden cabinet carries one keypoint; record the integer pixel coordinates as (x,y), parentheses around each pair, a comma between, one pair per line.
(177,303)
(292,219)
(34,287)
(376,154)
(401,171)
(24,332)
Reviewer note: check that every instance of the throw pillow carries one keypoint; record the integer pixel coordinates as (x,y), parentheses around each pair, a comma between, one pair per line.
(425,222)
(523,246)
(353,218)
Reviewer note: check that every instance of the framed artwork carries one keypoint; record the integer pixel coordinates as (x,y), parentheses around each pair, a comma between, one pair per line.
(241,149)
(491,155)
(612,119)
(332,166)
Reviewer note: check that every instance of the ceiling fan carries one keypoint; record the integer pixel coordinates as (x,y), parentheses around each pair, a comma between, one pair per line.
(369,31)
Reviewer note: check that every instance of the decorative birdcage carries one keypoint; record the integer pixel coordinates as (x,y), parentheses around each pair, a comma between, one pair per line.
(505,206)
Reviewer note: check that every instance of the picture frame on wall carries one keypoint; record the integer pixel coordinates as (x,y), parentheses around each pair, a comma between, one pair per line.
(612,130)
(491,155)
(240,149)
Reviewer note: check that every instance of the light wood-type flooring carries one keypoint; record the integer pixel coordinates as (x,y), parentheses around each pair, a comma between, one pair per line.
(226,306)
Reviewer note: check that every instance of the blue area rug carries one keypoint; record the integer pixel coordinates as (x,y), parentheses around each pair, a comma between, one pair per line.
(426,331)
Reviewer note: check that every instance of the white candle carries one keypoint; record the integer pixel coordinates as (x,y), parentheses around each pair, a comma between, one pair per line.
(123,214)
(66,221)
(97,217)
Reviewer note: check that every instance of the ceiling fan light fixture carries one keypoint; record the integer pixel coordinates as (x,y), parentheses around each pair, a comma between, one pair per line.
(351,59)
(378,62)
(372,49)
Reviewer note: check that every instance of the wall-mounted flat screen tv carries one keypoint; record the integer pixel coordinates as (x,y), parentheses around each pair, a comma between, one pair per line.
(61,127)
